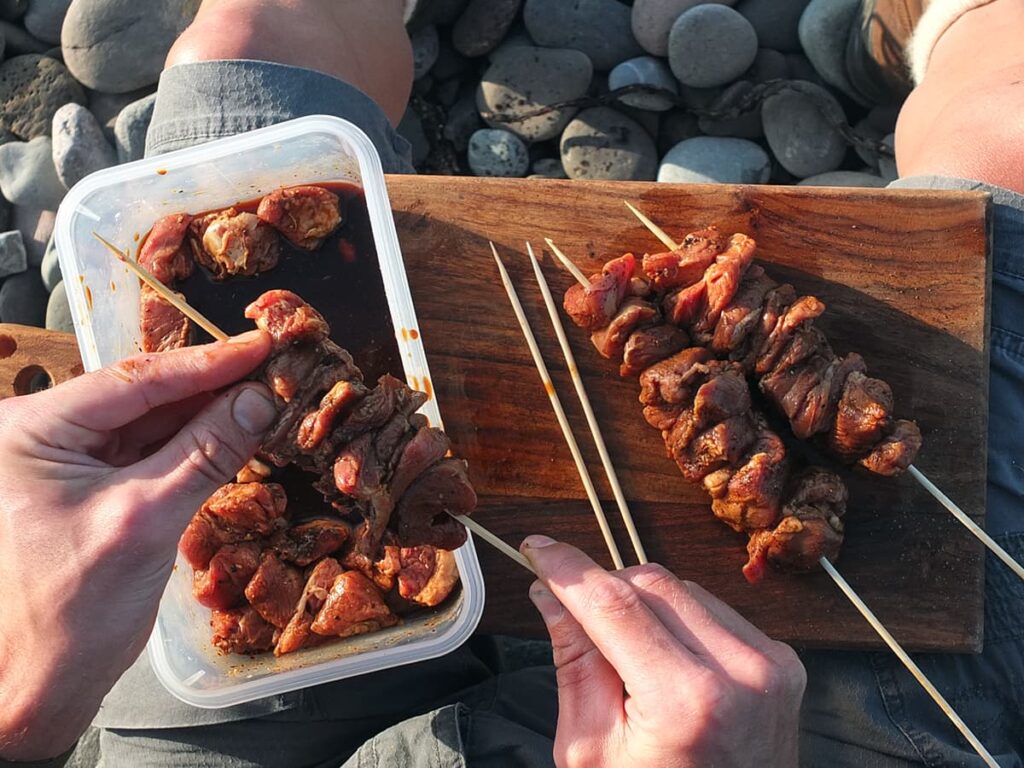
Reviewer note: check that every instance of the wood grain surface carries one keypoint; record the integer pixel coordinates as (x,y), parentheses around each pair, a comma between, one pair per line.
(905,275)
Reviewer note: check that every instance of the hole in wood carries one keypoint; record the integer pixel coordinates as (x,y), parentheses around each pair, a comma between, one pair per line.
(32,379)
(8,346)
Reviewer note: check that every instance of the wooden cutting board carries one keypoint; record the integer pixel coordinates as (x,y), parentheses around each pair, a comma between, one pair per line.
(905,275)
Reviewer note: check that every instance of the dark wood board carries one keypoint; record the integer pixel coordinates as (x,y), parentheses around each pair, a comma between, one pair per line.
(905,275)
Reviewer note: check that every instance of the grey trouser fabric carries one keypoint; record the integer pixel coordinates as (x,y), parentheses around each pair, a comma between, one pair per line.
(860,709)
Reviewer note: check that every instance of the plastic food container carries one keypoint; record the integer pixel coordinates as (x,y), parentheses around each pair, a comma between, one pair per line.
(124,201)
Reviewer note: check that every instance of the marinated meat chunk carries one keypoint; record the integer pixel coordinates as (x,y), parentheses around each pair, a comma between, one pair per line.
(724,394)
(723,280)
(720,445)
(895,452)
(162,326)
(318,424)
(676,269)
(739,319)
(594,307)
(353,607)
(383,570)
(234,513)
(297,634)
(287,318)
(274,590)
(306,215)
(776,301)
(684,306)
(232,243)
(864,416)
(223,582)
(662,418)
(165,254)
(427,447)
(803,310)
(287,371)
(309,541)
(671,381)
(427,576)
(242,630)
(648,346)
(421,515)
(611,340)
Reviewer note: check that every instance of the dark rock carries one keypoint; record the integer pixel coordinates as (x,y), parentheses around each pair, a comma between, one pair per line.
(483,25)
(450,63)
(12,9)
(601,143)
(13,259)
(653,19)
(23,299)
(58,311)
(18,41)
(426,45)
(548,168)
(711,45)
(44,19)
(744,126)
(775,21)
(798,125)
(676,126)
(32,89)
(411,129)
(462,121)
(494,152)
(824,29)
(769,64)
(130,129)
(599,28)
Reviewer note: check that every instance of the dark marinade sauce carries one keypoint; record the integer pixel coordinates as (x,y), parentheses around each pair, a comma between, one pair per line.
(342,280)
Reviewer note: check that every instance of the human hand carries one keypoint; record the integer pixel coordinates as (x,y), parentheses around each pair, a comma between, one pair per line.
(654,671)
(98,478)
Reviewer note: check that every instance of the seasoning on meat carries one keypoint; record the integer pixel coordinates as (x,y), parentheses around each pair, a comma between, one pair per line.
(306,215)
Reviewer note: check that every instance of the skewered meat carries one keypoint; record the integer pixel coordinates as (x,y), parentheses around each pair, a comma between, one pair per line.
(274,589)
(611,340)
(864,416)
(353,607)
(676,269)
(318,424)
(223,582)
(232,243)
(287,318)
(443,576)
(306,215)
(242,630)
(307,542)
(423,514)
(297,634)
(896,451)
(234,513)
(594,307)
(163,327)
(648,346)
(165,254)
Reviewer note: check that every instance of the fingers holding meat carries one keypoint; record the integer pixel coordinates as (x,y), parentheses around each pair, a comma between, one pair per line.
(306,215)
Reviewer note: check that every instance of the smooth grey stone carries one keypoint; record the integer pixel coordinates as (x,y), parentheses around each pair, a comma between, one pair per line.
(644,70)
(887,163)
(824,28)
(798,127)
(745,126)
(548,168)
(58,311)
(601,143)
(50,268)
(517,37)
(23,299)
(32,89)
(699,98)
(866,129)
(775,21)
(676,126)
(769,64)
(13,259)
(652,21)
(599,28)
(27,175)
(709,159)
(494,152)
(483,25)
(523,79)
(79,146)
(649,121)
(450,63)
(426,45)
(115,46)
(36,229)
(463,121)
(5,213)
(107,106)
(711,45)
(12,9)
(799,67)
(19,42)
(44,19)
(439,12)
(411,129)
(843,179)
(130,129)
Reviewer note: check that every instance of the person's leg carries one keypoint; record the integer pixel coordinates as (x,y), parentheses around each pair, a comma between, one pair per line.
(966,117)
(362,42)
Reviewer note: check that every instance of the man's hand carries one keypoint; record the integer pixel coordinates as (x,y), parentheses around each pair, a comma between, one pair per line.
(98,478)
(653,671)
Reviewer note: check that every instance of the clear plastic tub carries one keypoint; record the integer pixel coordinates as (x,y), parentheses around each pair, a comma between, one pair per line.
(126,200)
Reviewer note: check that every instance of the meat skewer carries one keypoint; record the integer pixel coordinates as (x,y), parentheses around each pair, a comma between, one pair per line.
(961,516)
(556,404)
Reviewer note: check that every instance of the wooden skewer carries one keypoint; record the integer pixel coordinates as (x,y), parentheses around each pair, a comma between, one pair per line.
(494,541)
(568,264)
(581,393)
(165,293)
(556,404)
(657,231)
(908,662)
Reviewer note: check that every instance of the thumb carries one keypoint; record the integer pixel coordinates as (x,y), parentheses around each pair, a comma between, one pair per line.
(207,452)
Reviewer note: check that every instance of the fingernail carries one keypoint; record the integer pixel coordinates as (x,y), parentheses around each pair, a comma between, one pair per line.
(246,338)
(546,603)
(536,542)
(253,411)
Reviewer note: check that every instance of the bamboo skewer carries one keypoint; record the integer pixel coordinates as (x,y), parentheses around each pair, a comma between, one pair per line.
(976,530)
(193,314)
(556,404)
(165,293)
(908,662)
(581,393)
(568,264)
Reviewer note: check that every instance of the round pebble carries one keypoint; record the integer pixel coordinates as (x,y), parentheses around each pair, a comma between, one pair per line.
(13,259)
(130,129)
(44,19)
(710,159)
(483,25)
(27,175)
(50,268)
(644,70)
(523,79)
(823,30)
(32,89)
(426,45)
(23,299)
(768,65)
(450,63)
(17,41)
(114,46)
(652,21)
(463,121)
(36,229)
(601,143)
(410,128)
(775,21)
(799,67)
(494,152)
(79,146)
(107,106)
(798,126)
(843,179)
(58,311)
(746,125)
(711,45)
(599,28)
(12,9)
(548,168)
